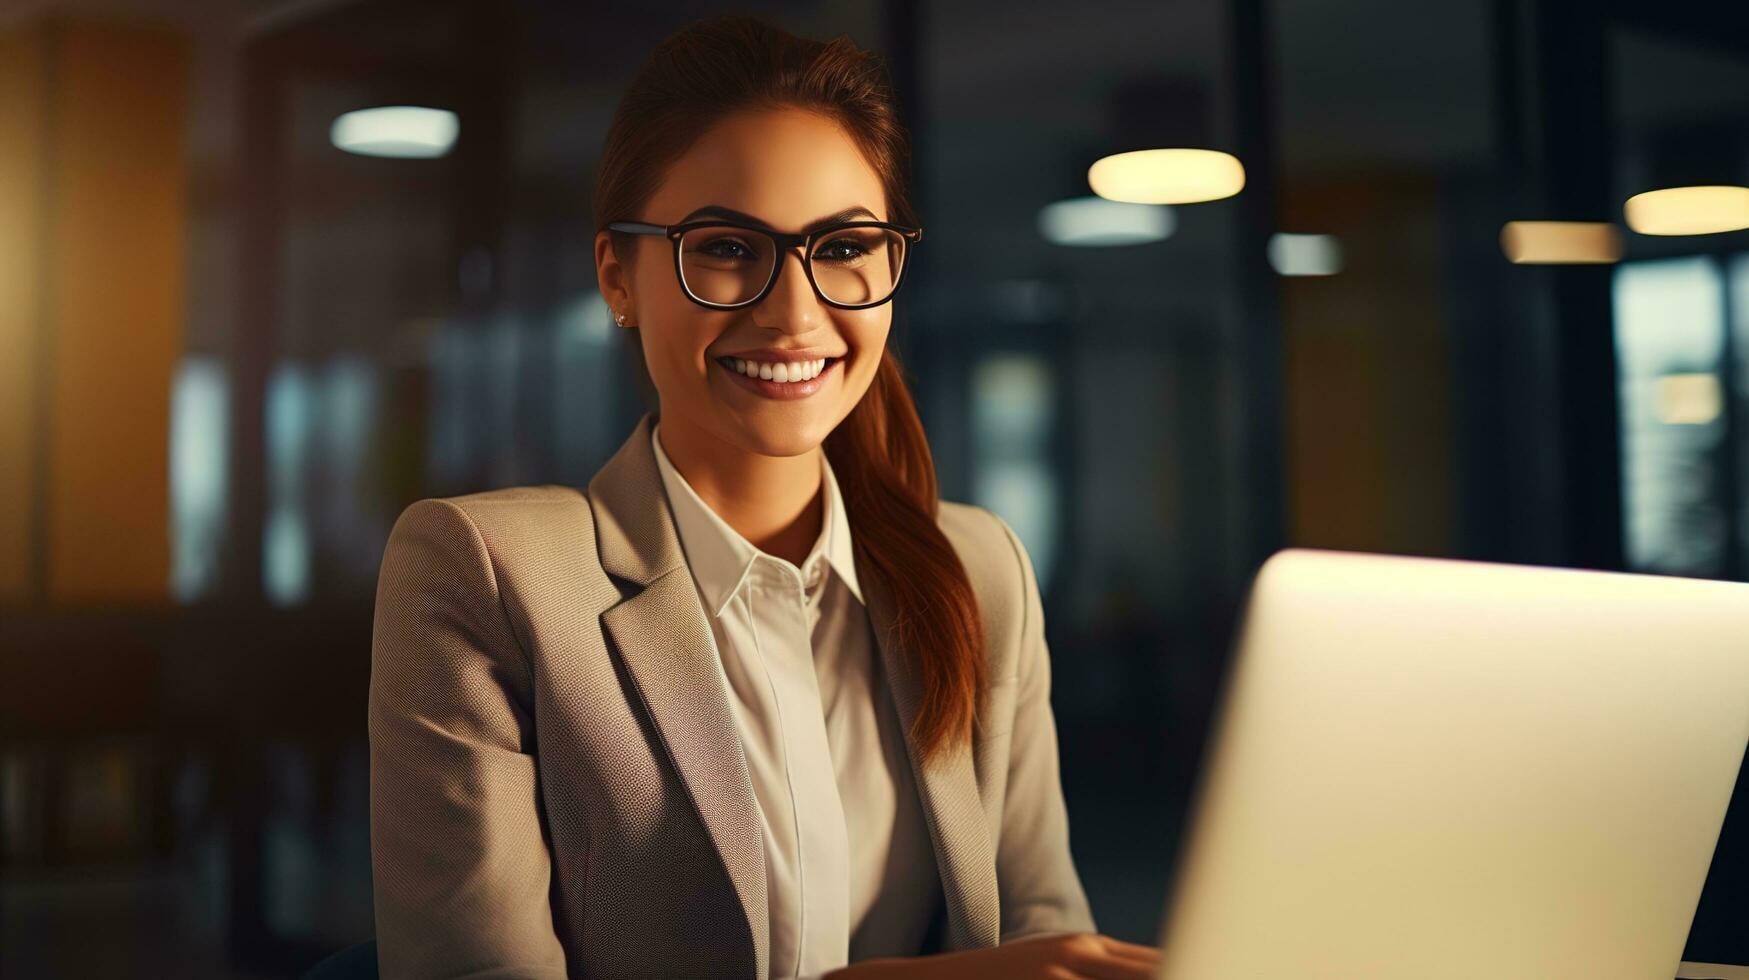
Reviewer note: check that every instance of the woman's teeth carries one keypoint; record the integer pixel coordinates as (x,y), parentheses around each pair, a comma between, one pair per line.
(781,371)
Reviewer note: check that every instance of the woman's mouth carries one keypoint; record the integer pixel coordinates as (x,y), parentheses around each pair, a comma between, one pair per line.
(753,381)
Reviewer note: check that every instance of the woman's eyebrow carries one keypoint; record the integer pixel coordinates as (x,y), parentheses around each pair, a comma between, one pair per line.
(718,211)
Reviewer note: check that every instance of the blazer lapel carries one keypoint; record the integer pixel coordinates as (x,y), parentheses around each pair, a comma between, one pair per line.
(663,635)
(948,789)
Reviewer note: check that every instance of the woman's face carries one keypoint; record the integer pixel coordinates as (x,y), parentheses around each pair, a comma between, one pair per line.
(788,168)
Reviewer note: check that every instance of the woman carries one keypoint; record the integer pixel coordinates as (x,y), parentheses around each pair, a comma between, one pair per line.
(757,703)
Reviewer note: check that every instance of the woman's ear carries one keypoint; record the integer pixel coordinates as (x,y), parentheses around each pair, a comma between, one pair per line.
(613,278)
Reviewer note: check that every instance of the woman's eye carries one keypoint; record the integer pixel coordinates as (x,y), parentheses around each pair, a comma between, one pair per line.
(840,250)
(726,248)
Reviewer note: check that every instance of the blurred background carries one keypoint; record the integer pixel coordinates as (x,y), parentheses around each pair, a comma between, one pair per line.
(231,352)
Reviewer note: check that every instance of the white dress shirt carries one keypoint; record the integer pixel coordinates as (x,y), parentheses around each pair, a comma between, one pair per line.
(850,872)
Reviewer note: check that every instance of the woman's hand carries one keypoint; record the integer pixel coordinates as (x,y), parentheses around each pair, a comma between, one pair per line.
(1069,956)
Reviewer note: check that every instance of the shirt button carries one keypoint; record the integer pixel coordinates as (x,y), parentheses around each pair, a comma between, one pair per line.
(813,575)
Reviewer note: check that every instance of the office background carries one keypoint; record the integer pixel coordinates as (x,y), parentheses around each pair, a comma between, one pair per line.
(231,352)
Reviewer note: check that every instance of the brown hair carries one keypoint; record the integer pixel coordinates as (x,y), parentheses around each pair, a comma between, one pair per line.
(718,66)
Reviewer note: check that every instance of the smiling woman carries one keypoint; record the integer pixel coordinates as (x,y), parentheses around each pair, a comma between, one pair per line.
(777,147)
(757,703)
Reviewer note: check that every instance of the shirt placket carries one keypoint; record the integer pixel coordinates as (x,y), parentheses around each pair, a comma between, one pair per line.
(787,612)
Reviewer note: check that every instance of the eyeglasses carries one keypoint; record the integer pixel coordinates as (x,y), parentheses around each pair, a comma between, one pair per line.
(724,265)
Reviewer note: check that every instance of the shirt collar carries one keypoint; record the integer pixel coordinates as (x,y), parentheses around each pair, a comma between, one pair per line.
(720,557)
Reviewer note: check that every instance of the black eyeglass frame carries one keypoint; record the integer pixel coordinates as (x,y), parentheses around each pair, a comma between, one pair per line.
(784,241)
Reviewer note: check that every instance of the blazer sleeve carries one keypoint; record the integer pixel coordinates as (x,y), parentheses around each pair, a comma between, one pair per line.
(1039,889)
(459,856)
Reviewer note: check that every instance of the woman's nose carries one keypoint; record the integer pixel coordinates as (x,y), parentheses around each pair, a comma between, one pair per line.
(792,302)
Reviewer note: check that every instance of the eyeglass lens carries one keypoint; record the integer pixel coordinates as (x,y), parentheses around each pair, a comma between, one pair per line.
(852,266)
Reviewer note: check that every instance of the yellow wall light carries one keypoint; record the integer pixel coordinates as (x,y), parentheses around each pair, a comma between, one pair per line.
(1560,242)
(1167,176)
(1689,399)
(1702,210)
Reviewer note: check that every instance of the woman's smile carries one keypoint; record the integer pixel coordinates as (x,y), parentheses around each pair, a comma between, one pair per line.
(761,377)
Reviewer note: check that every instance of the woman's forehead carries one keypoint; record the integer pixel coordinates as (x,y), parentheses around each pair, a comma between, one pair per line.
(786,167)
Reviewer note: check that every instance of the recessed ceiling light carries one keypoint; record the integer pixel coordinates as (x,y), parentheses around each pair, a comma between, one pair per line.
(1096,221)
(1305,255)
(396,131)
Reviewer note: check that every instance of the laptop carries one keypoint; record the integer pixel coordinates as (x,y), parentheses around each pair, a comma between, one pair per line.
(1438,768)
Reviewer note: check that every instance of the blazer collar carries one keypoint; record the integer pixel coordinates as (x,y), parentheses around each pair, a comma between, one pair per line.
(662,633)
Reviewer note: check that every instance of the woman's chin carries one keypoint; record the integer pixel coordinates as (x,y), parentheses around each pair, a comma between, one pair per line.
(782,432)
(791,442)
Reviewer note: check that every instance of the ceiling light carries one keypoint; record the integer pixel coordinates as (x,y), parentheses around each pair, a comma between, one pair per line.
(1305,255)
(1689,210)
(1167,176)
(396,131)
(1096,221)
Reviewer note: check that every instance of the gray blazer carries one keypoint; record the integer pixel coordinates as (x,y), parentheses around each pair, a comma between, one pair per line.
(556,784)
